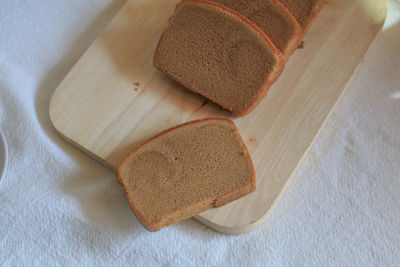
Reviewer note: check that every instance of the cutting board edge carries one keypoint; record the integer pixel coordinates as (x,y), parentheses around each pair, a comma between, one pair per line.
(77,145)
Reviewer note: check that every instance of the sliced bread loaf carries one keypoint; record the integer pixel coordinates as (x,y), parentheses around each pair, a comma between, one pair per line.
(218,53)
(186,170)
(304,11)
(273,18)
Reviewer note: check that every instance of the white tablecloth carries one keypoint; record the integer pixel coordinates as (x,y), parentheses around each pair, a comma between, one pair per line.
(60,207)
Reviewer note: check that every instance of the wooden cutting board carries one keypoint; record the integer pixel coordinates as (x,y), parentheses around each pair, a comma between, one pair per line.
(100,108)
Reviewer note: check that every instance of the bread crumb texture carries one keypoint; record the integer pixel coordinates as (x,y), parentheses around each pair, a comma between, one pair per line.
(186,170)
(218,54)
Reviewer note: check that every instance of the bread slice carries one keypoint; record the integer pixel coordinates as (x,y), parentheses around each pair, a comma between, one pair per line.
(218,53)
(304,11)
(273,19)
(186,170)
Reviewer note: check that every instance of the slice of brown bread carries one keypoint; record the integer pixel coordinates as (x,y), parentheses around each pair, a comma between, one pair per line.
(186,170)
(218,53)
(273,18)
(304,11)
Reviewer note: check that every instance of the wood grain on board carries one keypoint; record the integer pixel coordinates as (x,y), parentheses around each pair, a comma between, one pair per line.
(113,99)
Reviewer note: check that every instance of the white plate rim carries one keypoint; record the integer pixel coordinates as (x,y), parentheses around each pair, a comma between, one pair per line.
(4,153)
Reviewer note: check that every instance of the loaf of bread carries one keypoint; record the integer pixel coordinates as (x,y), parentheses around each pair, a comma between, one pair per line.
(273,19)
(218,53)
(186,170)
(304,11)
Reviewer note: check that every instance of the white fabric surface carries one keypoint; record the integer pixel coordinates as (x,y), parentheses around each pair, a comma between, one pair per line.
(60,207)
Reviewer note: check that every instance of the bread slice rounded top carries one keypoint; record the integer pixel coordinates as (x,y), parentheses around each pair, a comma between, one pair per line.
(218,53)
(186,170)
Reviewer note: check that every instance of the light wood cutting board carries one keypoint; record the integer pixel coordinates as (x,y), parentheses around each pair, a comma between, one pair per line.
(99,108)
